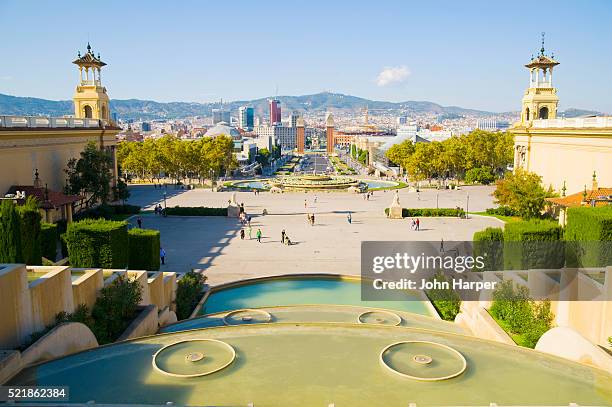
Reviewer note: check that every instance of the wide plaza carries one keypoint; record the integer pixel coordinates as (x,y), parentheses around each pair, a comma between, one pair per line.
(332,245)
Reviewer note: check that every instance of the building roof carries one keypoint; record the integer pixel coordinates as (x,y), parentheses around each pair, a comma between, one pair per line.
(222,128)
(89,59)
(601,197)
(55,199)
(542,61)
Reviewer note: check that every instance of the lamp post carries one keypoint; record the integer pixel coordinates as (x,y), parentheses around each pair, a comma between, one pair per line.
(165,206)
(211,172)
(437,200)
(467,206)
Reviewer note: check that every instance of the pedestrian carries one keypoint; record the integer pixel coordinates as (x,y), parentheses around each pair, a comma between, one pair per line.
(308,218)
(242,208)
(250,229)
(283,234)
(249,220)
(304,204)
(418,224)
(315,200)
(441,245)
(412,224)
(139,221)
(349,218)
(312,219)
(241,234)
(162,255)
(259,235)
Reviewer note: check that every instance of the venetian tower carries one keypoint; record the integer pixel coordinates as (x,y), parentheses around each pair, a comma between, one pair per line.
(329,127)
(300,135)
(540,100)
(90,98)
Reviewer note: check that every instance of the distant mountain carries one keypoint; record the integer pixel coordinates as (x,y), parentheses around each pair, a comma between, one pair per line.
(317,103)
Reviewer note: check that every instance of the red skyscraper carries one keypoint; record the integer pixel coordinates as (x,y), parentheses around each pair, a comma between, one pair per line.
(275,112)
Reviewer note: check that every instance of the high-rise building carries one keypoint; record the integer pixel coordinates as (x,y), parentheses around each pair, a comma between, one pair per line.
(275,112)
(246,118)
(221,115)
(401,120)
(146,126)
(293,118)
(284,136)
(491,125)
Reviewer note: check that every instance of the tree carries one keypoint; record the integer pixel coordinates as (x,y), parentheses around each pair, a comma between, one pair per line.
(188,293)
(400,153)
(90,175)
(263,157)
(121,191)
(481,175)
(522,191)
(10,248)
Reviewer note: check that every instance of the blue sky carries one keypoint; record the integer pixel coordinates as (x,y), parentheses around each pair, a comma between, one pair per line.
(469,53)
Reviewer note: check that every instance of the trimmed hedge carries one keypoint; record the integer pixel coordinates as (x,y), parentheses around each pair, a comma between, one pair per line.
(195,211)
(426,212)
(489,244)
(48,240)
(502,211)
(446,301)
(589,236)
(107,211)
(533,244)
(29,230)
(143,249)
(97,243)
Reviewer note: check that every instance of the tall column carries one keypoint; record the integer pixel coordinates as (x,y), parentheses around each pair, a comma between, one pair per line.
(300,136)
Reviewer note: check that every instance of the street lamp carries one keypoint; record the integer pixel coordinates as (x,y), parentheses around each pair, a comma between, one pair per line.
(437,198)
(165,206)
(467,206)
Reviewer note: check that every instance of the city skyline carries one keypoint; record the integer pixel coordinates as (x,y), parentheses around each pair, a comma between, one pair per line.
(469,55)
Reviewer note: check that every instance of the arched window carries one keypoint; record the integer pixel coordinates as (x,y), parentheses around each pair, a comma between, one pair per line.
(87,111)
(104,117)
(544,113)
(527,114)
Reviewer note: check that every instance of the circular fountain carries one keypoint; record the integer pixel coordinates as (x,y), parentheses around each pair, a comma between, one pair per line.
(379,317)
(247,316)
(423,360)
(193,358)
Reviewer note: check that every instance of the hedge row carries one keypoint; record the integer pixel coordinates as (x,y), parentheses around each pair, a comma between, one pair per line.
(143,249)
(589,236)
(533,244)
(48,240)
(97,243)
(425,212)
(195,211)
(108,211)
(489,244)
(502,211)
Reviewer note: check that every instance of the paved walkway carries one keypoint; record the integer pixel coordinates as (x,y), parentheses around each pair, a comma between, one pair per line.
(332,245)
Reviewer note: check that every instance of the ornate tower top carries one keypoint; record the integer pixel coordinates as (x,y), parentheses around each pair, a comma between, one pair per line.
(540,100)
(90,98)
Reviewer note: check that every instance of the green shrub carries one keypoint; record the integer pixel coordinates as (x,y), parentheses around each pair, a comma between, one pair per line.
(533,244)
(143,249)
(427,212)
(481,175)
(97,243)
(115,308)
(108,211)
(188,293)
(48,232)
(489,244)
(502,211)
(195,211)
(80,314)
(589,236)
(10,240)
(525,319)
(29,232)
(446,301)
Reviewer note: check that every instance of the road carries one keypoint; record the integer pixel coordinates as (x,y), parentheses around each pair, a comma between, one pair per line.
(315,162)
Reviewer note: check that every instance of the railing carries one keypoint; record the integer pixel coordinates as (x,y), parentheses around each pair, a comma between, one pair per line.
(582,122)
(47,122)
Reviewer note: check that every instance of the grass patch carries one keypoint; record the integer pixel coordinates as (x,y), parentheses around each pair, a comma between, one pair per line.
(519,339)
(507,219)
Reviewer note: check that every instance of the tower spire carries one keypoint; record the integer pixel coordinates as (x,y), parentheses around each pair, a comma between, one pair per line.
(542,49)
